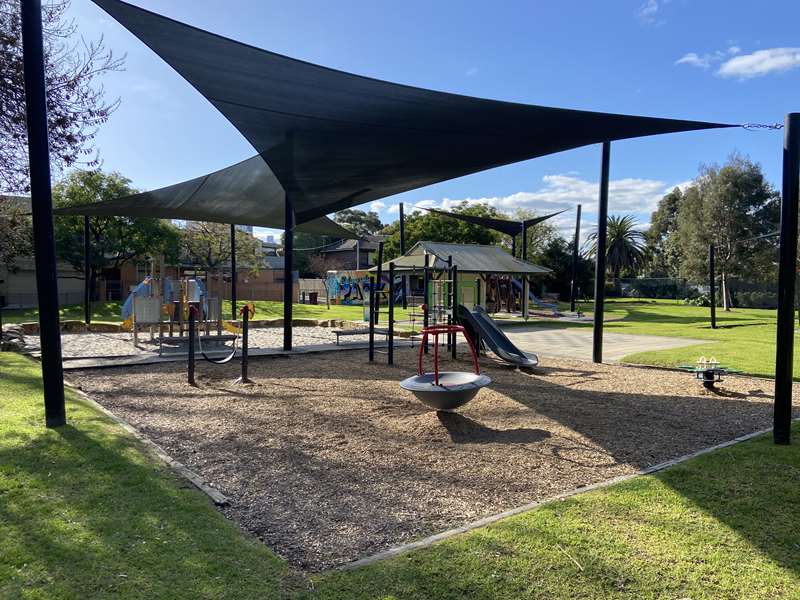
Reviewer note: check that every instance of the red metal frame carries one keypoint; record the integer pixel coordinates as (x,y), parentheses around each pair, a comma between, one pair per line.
(436,331)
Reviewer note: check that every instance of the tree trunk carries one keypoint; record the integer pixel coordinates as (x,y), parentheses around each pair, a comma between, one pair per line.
(93,284)
(726,297)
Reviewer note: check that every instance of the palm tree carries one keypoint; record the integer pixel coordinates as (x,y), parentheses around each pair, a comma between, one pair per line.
(625,247)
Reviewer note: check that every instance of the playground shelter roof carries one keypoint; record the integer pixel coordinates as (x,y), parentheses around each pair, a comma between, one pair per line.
(334,140)
(469,258)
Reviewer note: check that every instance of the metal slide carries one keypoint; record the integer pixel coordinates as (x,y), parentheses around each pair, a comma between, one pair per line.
(536,301)
(477,321)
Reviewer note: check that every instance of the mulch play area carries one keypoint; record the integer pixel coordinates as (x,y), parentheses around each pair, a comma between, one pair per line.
(327,460)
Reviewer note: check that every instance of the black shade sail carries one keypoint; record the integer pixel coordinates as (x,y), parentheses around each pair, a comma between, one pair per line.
(246,193)
(336,140)
(506,226)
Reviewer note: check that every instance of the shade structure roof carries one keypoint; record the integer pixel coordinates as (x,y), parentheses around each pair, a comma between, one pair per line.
(247,193)
(469,258)
(506,226)
(335,140)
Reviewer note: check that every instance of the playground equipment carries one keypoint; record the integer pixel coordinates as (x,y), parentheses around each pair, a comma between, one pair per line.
(163,305)
(445,390)
(708,371)
(485,331)
(535,299)
(246,312)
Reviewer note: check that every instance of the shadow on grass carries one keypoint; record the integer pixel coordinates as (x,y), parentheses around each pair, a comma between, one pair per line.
(86,515)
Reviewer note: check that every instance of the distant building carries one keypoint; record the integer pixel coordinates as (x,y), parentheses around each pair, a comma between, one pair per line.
(18,283)
(245,228)
(351,255)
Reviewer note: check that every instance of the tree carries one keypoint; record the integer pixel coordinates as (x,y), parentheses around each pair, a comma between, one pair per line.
(208,246)
(433,227)
(663,251)
(76,106)
(16,235)
(114,240)
(729,206)
(359,222)
(307,245)
(624,247)
(556,255)
(540,236)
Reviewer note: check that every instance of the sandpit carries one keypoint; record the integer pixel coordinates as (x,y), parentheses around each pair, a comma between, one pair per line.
(327,460)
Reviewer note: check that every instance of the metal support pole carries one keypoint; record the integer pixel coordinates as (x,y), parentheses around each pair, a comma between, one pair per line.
(454,277)
(288,281)
(87,271)
(600,258)
(42,213)
(426,275)
(234,274)
(371,317)
(525,289)
(245,345)
(524,241)
(402,253)
(573,287)
(378,277)
(712,291)
(449,300)
(787,273)
(514,246)
(192,332)
(390,359)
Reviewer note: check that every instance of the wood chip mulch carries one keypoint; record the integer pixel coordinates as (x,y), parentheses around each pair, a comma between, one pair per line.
(327,460)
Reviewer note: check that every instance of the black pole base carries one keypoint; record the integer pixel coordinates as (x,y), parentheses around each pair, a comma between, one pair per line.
(53,422)
(244,381)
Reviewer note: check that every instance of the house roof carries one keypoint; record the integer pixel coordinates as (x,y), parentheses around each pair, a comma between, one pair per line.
(469,258)
(368,243)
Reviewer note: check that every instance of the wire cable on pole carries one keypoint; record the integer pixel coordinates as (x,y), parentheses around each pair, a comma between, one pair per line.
(760,126)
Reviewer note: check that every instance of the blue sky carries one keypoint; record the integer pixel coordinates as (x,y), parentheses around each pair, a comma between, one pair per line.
(727,61)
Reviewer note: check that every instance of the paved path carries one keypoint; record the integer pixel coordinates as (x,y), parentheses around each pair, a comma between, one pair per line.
(573,342)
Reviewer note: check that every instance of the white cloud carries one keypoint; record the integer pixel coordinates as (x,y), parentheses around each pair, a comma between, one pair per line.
(471,71)
(703,61)
(636,196)
(760,63)
(648,11)
(377,206)
(732,63)
(394,209)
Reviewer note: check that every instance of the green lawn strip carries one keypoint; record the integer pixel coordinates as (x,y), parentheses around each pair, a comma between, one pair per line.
(265,309)
(720,526)
(85,512)
(107,312)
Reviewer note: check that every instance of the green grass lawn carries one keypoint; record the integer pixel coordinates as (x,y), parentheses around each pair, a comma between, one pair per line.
(85,512)
(744,338)
(265,309)
(107,312)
